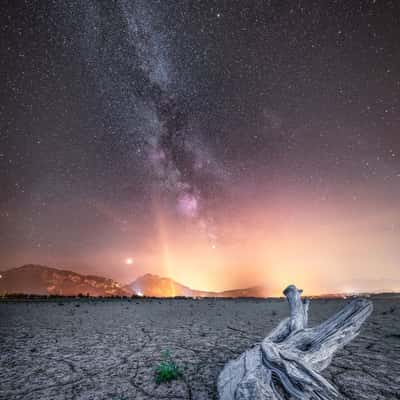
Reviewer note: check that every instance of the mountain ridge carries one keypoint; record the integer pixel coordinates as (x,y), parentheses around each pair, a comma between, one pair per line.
(155,286)
(44,280)
(41,279)
(34,279)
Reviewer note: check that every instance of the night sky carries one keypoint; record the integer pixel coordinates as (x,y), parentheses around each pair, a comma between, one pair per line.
(222,143)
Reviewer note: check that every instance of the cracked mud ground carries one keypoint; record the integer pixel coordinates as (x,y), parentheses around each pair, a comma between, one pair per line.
(93,349)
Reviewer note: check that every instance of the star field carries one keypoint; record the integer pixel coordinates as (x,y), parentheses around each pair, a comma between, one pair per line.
(128,127)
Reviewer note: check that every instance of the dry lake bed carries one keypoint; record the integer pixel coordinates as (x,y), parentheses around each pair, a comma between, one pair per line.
(94,349)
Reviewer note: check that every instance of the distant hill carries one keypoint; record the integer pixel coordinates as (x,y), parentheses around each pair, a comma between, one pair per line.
(156,286)
(42,280)
(39,279)
(255,291)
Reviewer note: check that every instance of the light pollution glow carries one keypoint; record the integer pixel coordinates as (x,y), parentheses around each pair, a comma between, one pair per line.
(341,244)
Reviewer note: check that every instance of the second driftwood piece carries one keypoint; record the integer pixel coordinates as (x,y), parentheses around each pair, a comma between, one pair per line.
(287,363)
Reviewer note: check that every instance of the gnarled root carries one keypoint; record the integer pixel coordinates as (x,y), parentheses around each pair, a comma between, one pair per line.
(287,363)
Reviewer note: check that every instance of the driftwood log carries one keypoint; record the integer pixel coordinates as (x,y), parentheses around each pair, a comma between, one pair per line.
(287,363)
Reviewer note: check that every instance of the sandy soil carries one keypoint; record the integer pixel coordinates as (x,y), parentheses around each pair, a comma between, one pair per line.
(109,349)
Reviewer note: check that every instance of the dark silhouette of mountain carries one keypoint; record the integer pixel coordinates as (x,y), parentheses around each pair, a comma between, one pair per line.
(42,280)
(254,291)
(39,279)
(156,286)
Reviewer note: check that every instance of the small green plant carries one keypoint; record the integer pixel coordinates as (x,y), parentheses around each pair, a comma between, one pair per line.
(167,370)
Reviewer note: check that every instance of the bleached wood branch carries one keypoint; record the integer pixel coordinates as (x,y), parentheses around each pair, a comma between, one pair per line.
(287,363)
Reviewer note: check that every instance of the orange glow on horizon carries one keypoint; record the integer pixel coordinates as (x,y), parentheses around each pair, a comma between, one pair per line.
(334,247)
(320,250)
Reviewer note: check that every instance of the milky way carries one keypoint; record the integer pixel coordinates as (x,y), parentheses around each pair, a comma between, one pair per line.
(146,97)
(203,134)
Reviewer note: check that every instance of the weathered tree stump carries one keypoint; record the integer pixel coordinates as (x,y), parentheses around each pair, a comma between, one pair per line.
(287,363)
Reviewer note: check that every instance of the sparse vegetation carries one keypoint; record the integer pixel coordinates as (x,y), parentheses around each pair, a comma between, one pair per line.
(167,370)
